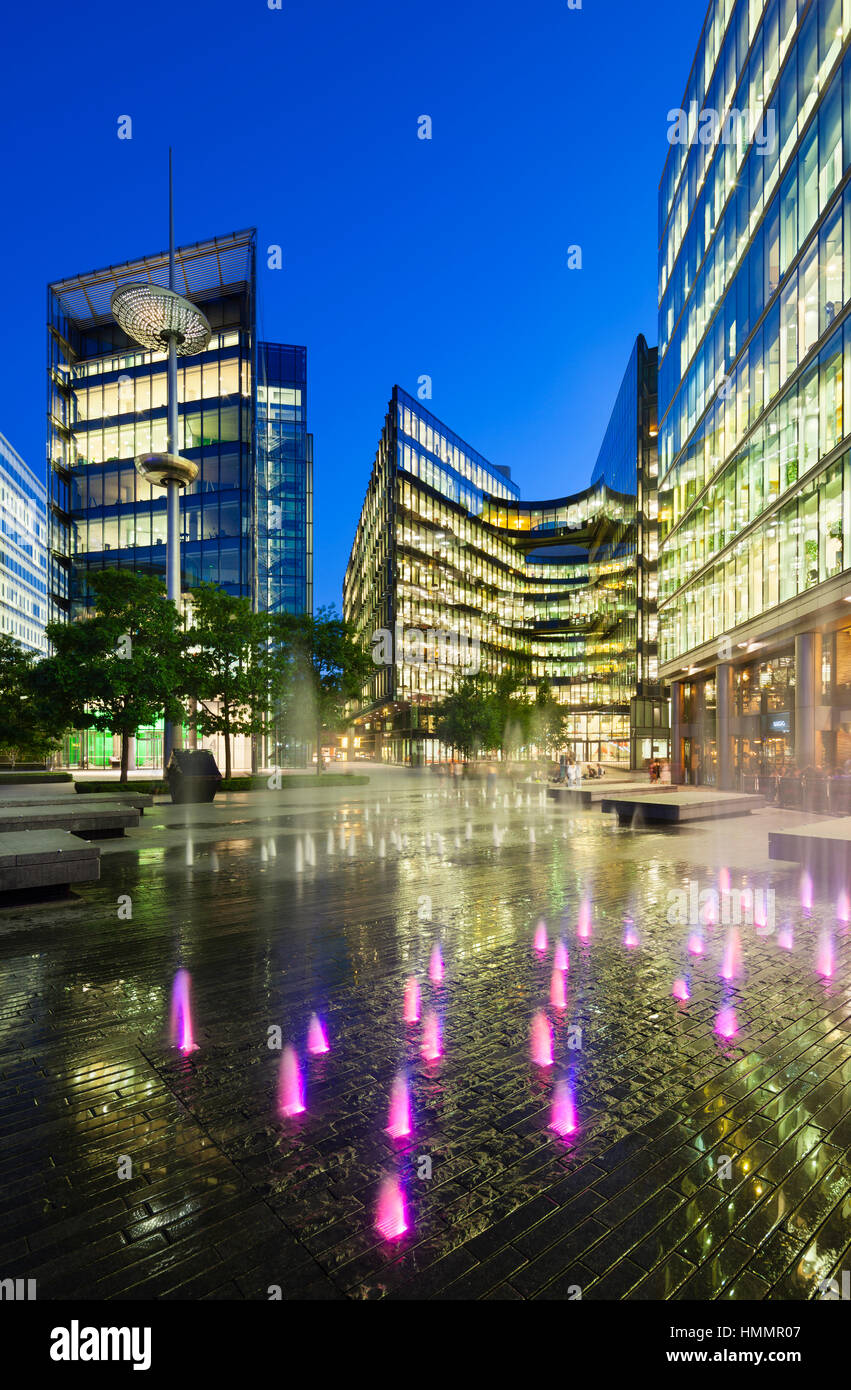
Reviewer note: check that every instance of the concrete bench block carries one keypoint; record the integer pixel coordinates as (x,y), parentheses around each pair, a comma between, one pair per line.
(45,859)
(680,805)
(111,819)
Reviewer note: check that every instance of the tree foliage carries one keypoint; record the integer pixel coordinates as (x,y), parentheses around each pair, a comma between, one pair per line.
(119,668)
(549,720)
(28,731)
(320,669)
(469,719)
(229,666)
(487,714)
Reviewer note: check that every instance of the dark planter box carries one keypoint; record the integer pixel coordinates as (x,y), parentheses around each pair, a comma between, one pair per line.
(192,775)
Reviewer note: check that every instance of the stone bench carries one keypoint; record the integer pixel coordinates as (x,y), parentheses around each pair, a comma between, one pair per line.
(824,848)
(576,796)
(87,821)
(121,797)
(130,798)
(679,805)
(594,789)
(36,859)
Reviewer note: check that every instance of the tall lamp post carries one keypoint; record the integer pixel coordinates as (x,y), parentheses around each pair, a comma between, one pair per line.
(160,318)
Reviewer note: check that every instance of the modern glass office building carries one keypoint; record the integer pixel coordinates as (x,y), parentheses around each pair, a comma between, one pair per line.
(23,551)
(628,463)
(285,480)
(247,519)
(463,576)
(755,395)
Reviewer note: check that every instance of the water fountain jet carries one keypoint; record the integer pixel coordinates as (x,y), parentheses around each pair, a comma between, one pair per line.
(182,1035)
(290,1091)
(317,1043)
(436,970)
(411,1007)
(399,1119)
(431,1044)
(391,1219)
(541,1040)
(562,1113)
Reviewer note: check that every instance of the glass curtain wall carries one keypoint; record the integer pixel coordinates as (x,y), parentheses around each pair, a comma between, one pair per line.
(755,369)
(445,547)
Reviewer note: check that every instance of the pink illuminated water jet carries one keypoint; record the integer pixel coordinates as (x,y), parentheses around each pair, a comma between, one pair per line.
(731,965)
(290,1091)
(391,1218)
(557,995)
(806,892)
(541,1040)
(680,991)
(435,965)
(412,1001)
(562,1112)
(317,1043)
(541,941)
(724,880)
(786,938)
(561,959)
(843,907)
(726,1023)
(630,936)
(399,1125)
(824,955)
(695,944)
(431,1046)
(182,1036)
(583,927)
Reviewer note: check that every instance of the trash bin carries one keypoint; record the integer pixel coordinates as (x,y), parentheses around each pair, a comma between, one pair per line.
(192,775)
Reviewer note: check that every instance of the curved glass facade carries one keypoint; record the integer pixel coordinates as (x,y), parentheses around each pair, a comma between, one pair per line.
(447,552)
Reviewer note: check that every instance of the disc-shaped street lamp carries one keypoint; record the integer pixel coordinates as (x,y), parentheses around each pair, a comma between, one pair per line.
(162,320)
(156,317)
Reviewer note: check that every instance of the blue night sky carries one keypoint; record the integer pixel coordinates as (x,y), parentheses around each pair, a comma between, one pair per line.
(402,257)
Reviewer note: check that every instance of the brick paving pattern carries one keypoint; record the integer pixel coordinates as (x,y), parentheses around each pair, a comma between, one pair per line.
(227,1199)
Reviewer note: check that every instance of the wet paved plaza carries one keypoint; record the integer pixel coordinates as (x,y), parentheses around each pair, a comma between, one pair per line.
(701,1166)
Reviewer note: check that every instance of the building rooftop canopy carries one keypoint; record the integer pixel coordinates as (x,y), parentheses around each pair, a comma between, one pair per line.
(203,270)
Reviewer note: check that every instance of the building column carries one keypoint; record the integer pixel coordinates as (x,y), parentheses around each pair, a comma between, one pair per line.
(723,725)
(131,753)
(677,773)
(807,657)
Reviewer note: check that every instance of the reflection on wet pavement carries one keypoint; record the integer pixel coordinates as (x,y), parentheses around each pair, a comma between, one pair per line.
(413,1045)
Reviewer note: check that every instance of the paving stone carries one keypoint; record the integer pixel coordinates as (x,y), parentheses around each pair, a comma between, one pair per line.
(227,1198)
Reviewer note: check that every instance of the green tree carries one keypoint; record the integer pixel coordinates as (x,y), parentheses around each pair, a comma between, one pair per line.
(512,712)
(119,668)
(26,730)
(469,718)
(487,713)
(549,720)
(321,669)
(230,665)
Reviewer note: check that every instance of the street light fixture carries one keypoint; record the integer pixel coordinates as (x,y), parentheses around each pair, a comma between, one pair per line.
(161,319)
